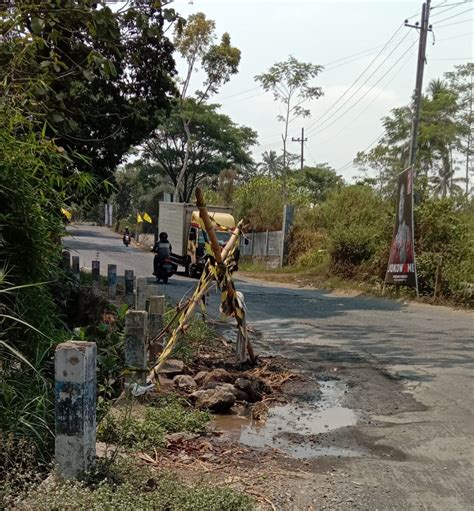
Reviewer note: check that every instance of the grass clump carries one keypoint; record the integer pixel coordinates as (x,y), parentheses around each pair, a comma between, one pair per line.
(168,415)
(132,487)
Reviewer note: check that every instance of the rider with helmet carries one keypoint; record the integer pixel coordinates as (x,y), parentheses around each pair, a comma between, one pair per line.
(162,249)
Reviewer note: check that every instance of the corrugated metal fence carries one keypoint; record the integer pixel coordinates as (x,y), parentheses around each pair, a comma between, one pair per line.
(262,244)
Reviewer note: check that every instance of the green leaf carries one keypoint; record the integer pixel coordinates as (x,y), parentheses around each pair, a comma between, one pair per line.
(37,25)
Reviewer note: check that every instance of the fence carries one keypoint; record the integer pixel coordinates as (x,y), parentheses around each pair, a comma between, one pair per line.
(262,244)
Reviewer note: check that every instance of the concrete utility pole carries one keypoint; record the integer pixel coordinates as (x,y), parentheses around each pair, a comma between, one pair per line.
(302,140)
(424,28)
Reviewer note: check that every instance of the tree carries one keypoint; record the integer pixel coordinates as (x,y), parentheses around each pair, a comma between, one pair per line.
(272,164)
(290,84)
(461,82)
(219,144)
(320,181)
(195,43)
(97,78)
(440,134)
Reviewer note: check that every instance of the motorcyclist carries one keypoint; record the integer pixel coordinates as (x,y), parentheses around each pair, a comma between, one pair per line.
(126,236)
(162,249)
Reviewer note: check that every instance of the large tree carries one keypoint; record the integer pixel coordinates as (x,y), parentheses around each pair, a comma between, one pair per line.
(196,44)
(290,82)
(97,79)
(320,181)
(219,144)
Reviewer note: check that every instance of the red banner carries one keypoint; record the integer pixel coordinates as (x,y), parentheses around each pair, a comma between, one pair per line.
(401,264)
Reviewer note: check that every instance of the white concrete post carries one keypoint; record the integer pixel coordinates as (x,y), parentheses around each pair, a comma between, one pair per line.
(96,274)
(66,260)
(140,299)
(112,281)
(75,268)
(129,298)
(135,346)
(75,400)
(156,312)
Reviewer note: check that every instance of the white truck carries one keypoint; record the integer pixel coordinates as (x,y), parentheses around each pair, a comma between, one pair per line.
(187,235)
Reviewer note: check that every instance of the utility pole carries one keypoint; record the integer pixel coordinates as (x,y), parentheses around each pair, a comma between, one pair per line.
(302,140)
(424,28)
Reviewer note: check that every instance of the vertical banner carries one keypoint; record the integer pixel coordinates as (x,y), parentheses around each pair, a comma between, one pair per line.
(401,264)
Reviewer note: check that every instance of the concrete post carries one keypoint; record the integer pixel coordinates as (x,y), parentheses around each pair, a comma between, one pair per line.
(129,298)
(140,301)
(112,281)
(76,268)
(75,400)
(135,346)
(267,242)
(66,260)
(96,274)
(288,215)
(156,312)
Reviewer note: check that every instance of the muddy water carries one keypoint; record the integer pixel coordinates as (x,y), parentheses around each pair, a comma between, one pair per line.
(295,427)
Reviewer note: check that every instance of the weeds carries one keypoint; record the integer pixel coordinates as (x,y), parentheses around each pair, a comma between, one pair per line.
(169,414)
(129,486)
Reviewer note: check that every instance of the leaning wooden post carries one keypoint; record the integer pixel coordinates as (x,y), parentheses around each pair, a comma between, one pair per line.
(66,260)
(96,274)
(155,324)
(135,346)
(76,271)
(75,404)
(112,281)
(129,297)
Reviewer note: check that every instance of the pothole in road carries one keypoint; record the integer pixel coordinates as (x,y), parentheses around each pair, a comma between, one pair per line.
(296,428)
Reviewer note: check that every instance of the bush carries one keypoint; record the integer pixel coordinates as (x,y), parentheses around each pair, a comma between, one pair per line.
(441,231)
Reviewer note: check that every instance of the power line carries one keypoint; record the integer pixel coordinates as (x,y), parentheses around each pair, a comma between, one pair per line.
(458,36)
(321,126)
(324,114)
(455,15)
(349,163)
(455,23)
(370,103)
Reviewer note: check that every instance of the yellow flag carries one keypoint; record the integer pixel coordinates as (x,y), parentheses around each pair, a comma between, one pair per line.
(147,218)
(66,213)
(139,218)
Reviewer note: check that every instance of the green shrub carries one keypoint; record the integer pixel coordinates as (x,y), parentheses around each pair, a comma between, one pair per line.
(167,415)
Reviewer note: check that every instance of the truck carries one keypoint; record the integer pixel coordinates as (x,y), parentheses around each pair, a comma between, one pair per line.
(186,233)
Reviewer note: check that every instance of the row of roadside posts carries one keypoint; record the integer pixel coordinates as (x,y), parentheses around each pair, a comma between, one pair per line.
(76,366)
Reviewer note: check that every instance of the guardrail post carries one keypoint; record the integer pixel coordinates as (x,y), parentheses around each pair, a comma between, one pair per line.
(96,274)
(129,297)
(66,260)
(112,281)
(75,404)
(76,270)
(156,312)
(140,299)
(135,346)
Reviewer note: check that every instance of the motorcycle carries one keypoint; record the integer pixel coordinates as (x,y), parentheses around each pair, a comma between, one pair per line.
(165,270)
(126,240)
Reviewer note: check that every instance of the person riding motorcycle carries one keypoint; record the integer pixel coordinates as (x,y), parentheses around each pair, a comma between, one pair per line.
(162,249)
(126,237)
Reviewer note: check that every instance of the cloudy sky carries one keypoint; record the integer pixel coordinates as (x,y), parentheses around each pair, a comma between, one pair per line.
(347,38)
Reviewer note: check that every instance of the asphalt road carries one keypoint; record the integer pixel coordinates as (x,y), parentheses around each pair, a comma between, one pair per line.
(410,367)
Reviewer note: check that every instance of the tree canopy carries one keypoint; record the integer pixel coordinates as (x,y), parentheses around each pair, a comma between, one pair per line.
(96,79)
(217,144)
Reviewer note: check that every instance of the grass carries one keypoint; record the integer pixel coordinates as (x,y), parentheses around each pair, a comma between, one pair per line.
(128,486)
(169,414)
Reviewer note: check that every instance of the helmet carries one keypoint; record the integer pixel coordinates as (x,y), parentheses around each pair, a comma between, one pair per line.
(163,236)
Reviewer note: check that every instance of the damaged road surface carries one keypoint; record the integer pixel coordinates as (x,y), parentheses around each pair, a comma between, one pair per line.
(382,417)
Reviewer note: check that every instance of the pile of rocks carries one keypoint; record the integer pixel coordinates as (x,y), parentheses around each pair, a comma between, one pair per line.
(218,390)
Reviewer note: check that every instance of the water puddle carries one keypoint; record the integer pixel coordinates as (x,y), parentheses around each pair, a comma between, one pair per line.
(294,427)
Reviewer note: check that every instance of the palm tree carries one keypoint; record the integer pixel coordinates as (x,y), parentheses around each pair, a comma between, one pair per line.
(272,164)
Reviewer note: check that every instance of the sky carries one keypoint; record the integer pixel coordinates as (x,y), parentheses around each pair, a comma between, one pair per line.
(347,38)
